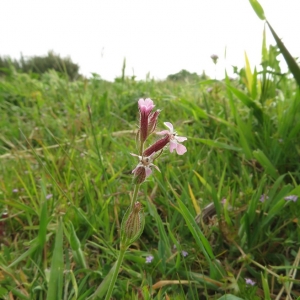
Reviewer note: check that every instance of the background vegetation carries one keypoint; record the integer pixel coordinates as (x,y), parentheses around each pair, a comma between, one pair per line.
(38,65)
(66,175)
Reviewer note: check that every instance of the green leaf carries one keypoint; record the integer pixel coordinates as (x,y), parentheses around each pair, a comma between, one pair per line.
(103,287)
(264,49)
(257,111)
(258,9)
(292,64)
(76,246)
(43,225)
(199,237)
(249,75)
(266,164)
(55,286)
(217,144)
(266,288)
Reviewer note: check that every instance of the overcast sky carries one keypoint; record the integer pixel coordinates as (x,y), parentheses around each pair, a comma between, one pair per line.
(161,37)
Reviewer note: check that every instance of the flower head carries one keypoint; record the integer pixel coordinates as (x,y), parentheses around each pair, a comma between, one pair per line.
(174,139)
(149,259)
(148,120)
(250,281)
(263,198)
(291,198)
(143,168)
(145,106)
(15,190)
(49,196)
(184,253)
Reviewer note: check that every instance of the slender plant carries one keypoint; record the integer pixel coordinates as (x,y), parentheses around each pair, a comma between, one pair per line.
(133,221)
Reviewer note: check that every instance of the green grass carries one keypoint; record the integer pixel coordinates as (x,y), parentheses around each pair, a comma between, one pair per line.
(243,142)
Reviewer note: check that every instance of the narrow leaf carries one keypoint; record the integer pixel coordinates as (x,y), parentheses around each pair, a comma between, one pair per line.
(258,113)
(195,204)
(266,164)
(248,74)
(199,237)
(292,64)
(258,9)
(55,286)
(217,144)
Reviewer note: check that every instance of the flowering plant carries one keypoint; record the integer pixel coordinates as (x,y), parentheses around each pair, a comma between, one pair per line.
(133,221)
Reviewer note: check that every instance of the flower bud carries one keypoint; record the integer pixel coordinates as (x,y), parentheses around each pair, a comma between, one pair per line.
(152,121)
(157,146)
(132,224)
(145,108)
(139,175)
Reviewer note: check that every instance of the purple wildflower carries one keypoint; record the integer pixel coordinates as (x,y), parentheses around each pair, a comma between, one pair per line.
(263,198)
(184,253)
(291,198)
(250,281)
(49,196)
(223,201)
(15,190)
(175,140)
(149,259)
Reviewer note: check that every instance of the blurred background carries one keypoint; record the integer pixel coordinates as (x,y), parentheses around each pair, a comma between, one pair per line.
(156,37)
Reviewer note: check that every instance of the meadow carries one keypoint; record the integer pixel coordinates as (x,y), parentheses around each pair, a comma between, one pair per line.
(221,221)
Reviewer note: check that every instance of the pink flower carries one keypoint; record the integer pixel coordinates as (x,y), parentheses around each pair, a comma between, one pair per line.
(291,197)
(143,168)
(184,253)
(175,140)
(149,259)
(148,119)
(145,105)
(250,281)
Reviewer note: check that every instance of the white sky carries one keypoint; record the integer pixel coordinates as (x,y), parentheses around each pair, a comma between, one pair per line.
(158,36)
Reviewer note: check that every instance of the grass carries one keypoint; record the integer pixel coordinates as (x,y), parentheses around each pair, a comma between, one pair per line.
(64,192)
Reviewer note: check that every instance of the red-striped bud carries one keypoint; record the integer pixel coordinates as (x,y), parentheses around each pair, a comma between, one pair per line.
(157,146)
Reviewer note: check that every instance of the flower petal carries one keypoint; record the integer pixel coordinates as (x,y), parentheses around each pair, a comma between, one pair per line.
(173,145)
(146,105)
(180,138)
(163,132)
(148,172)
(180,149)
(136,155)
(170,126)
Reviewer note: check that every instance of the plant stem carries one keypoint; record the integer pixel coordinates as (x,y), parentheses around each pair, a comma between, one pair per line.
(116,272)
(135,194)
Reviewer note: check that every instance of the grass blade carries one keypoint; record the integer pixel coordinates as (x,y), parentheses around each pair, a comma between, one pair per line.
(55,287)
(292,64)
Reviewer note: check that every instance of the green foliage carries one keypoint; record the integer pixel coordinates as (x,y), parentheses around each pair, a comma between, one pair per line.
(185,75)
(40,65)
(64,184)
